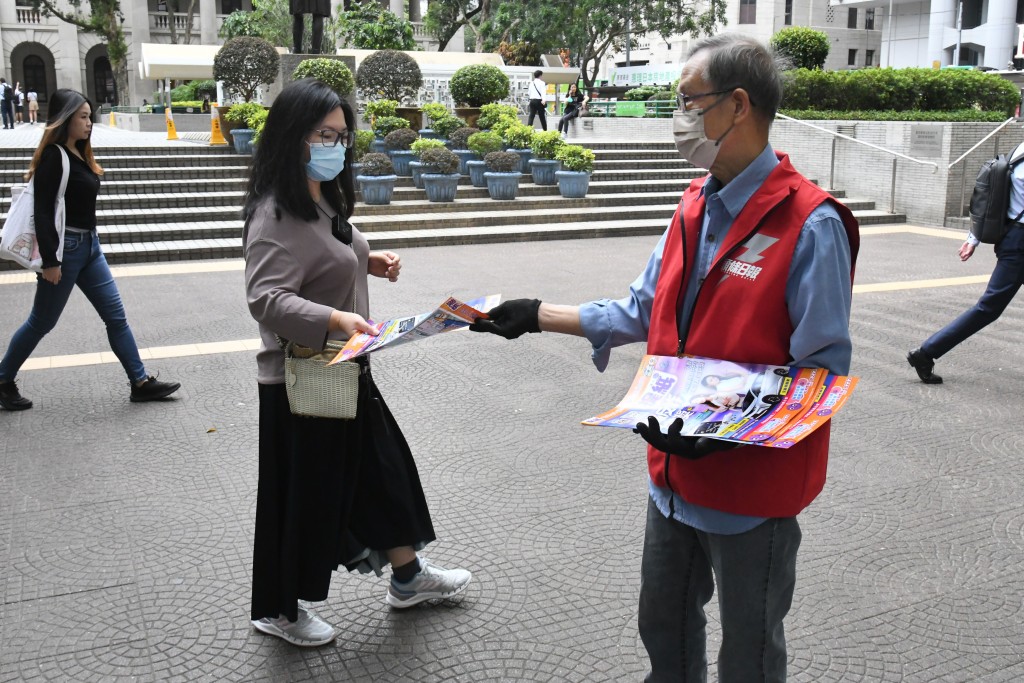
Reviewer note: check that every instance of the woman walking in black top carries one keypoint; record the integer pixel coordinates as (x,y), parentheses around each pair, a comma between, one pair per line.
(82,263)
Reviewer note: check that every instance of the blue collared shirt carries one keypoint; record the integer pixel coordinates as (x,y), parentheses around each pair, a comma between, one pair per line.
(818,296)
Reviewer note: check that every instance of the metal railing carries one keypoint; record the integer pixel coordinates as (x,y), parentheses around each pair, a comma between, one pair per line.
(963,157)
(896,156)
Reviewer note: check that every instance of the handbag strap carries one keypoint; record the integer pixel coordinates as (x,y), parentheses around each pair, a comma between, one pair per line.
(66,165)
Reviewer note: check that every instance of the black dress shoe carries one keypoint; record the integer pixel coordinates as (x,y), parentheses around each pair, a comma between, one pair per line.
(11,398)
(923,364)
(153,390)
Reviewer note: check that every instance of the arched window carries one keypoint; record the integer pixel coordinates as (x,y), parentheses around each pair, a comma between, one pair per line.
(103,82)
(34,75)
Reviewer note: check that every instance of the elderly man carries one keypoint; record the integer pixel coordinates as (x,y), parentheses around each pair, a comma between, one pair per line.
(756,266)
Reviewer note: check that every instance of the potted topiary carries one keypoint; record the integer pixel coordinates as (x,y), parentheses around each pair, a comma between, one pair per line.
(432,111)
(483,144)
(458,142)
(331,72)
(577,165)
(441,173)
(502,175)
(490,113)
(544,164)
(475,85)
(377,179)
(382,126)
(243,64)
(504,123)
(378,109)
(416,167)
(242,113)
(364,139)
(447,125)
(518,137)
(393,75)
(257,121)
(398,144)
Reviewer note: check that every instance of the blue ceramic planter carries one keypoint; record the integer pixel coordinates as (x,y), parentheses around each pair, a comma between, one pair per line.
(429,134)
(378,146)
(441,187)
(502,185)
(543,171)
(465,156)
(377,189)
(416,169)
(400,158)
(476,173)
(241,138)
(524,159)
(573,184)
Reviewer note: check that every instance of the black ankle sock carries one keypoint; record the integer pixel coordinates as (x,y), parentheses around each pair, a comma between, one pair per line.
(406,572)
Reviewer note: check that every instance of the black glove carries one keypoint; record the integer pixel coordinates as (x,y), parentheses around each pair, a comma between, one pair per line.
(510,319)
(689,447)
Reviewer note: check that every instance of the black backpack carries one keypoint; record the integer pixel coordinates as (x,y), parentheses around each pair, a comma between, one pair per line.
(991,197)
(8,92)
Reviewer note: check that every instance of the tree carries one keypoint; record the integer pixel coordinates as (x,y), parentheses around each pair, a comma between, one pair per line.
(173,7)
(105,20)
(389,75)
(244,63)
(271,20)
(806,47)
(445,17)
(368,26)
(591,28)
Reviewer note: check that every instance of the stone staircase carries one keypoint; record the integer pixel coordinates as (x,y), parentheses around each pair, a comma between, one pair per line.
(183,203)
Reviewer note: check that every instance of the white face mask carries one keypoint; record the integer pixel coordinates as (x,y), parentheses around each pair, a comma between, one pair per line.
(691,140)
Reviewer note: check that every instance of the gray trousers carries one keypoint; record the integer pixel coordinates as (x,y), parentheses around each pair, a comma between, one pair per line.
(756,574)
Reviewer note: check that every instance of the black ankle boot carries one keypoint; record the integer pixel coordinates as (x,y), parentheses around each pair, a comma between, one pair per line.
(11,398)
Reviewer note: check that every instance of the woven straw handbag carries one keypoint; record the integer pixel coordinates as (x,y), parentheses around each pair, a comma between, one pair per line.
(317,390)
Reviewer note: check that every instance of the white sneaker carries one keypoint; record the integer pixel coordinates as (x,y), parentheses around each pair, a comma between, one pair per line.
(430,583)
(309,631)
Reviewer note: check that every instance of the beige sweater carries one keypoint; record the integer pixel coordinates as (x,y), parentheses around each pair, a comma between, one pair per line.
(296,274)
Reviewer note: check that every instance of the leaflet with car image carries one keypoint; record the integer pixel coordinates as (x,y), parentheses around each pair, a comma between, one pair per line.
(765,405)
(451,315)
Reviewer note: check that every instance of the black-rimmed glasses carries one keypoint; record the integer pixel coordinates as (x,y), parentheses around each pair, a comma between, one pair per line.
(684,101)
(331,138)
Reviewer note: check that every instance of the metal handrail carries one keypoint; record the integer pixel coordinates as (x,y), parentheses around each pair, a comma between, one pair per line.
(963,173)
(896,156)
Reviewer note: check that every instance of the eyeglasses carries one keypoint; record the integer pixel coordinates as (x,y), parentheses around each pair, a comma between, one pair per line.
(684,102)
(330,138)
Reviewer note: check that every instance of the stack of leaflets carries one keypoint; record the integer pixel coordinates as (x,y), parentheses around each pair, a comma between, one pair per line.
(764,405)
(451,315)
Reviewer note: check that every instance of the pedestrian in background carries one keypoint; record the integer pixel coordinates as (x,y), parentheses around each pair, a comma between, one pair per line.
(83,263)
(331,492)
(538,88)
(33,105)
(719,514)
(1006,280)
(19,97)
(574,100)
(7,103)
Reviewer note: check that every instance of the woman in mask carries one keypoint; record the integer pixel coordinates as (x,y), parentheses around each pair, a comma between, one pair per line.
(331,492)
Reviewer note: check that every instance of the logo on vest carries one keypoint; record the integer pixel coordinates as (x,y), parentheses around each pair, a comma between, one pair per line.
(751,252)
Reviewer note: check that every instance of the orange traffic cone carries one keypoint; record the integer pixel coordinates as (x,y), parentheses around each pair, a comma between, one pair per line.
(216,135)
(172,134)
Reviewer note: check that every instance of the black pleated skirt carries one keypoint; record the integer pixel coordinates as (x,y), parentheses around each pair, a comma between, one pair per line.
(318,7)
(331,493)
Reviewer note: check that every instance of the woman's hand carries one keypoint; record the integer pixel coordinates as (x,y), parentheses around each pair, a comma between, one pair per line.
(384,264)
(350,323)
(52,275)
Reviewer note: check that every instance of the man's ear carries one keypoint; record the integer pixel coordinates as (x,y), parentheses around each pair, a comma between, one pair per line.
(742,109)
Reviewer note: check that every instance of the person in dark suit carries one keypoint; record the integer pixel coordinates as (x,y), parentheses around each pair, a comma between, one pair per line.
(319,9)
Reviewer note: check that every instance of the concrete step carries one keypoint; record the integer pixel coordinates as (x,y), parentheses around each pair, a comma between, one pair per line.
(157,160)
(122,150)
(642,164)
(164,175)
(547,202)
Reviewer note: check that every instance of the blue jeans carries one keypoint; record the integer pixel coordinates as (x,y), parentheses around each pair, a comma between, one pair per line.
(1006,279)
(756,575)
(84,265)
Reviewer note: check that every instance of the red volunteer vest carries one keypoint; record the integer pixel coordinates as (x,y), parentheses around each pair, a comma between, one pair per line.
(740,315)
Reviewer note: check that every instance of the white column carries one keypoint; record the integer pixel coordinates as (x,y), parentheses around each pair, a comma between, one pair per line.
(398,8)
(998,34)
(415,13)
(941,22)
(208,22)
(138,19)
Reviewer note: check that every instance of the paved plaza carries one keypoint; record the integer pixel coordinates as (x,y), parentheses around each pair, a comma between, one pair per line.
(125,529)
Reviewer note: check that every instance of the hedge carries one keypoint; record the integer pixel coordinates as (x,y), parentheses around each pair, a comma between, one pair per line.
(962,115)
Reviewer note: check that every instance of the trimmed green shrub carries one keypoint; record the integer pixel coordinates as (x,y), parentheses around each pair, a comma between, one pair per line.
(642,93)
(257,121)
(376,164)
(332,72)
(490,113)
(245,63)
(518,136)
(434,111)
(460,138)
(545,144)
(576,158)
(439,160)
(385,125)
(485,143)
(364,138)
(446,125)
(502,162)
(423,144)
(478,84)
(503,124)
(389,74)
(243,112)
(961,115)
(378,108)
(368,26)
(400,139)
(804,47)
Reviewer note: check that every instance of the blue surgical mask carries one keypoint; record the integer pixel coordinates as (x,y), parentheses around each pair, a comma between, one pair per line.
(325,163)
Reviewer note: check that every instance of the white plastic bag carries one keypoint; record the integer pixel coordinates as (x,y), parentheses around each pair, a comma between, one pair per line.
(18,241)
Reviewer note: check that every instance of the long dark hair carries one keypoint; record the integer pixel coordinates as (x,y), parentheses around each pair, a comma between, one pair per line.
(63,105)
(279,165)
